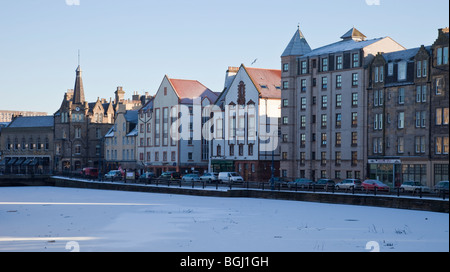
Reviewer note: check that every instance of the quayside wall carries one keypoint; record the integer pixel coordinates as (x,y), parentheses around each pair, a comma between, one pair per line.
(386,201)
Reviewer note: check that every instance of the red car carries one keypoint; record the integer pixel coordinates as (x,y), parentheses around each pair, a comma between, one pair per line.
(371,184)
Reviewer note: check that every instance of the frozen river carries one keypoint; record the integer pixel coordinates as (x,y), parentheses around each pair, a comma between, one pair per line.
(63,219)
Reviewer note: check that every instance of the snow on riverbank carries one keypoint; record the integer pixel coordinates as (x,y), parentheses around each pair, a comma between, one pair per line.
(50,218)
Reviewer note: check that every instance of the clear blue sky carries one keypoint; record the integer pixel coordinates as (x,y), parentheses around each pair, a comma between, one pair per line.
(134,43)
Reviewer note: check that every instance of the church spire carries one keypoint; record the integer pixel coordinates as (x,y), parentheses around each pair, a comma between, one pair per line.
(78,93)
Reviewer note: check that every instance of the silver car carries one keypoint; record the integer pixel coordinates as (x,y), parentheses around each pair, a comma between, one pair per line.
(414,186)
(348,184)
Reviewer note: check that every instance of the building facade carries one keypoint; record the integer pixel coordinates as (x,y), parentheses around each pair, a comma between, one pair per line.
(246,139)
(324,104)
(409,115)
(79,129)
(27,144)
(166,139)
(120,141)
(439,96)
(7,116)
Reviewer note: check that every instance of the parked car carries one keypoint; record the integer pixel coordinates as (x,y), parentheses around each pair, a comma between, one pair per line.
(300,183)
(324,184)
(191,177)
(146,176)
(442,186)
(113,175)
(371,184)
(170,175)
(209,177)
(89,172)
(230,177)
(414,186)
(348,184)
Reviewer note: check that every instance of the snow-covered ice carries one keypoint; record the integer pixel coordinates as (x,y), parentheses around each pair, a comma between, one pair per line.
(60,219)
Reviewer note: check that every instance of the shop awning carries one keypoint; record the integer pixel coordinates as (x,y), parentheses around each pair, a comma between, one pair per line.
(11,161)
(34,162)
(19,162)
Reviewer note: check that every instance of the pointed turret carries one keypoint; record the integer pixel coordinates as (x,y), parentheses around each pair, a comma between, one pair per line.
(78,92)
(297,46)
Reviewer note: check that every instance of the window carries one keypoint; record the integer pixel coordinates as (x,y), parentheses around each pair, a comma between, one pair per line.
(303,121)
(190,156)
(339,81)
(381,73)
(285,120)
(285,85)
(323,159)
(355,79)
(421,119)
(303,85)
(303,103)
(241,150)
(378,98)
(421,93)
(439,86)
(338,139)
(354,99)
(401,71)
(285,67)
(401,96)
(439,56)
(354,119)
(304,67)
(390,69)
(284,156)
(285,102)
(324,82)
(376,72)
(355,60)
(325,65)
(302,139)
(401,120)
(424,68)
(324,120)
(165,91)
(354,158)
(419,69)
(324,102)
(354,138)
(338,62)
(338,120)
(338,100)
(324,139)
(77,132)
(420,144)
(302,158)
(442,116)
(338,160)
(400,145)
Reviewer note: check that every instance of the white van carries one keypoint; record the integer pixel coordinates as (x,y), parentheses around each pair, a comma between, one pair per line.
(228,177)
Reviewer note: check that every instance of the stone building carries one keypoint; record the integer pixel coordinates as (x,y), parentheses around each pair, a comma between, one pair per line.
(27,146)
(408,114)
(439,121)
(399,114)
(120,141)
(324,100)
(79,129)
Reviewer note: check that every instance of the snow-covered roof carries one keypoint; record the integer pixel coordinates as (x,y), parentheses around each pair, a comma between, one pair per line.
(341,46)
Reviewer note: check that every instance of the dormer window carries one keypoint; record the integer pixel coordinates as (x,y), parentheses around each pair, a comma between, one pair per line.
(401,71)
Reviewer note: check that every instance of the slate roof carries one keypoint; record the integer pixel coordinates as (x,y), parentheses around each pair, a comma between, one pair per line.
(297,46)
(34,121)
(341,46)
(407,54)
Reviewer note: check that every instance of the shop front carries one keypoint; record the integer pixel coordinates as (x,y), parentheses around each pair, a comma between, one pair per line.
(388,171)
